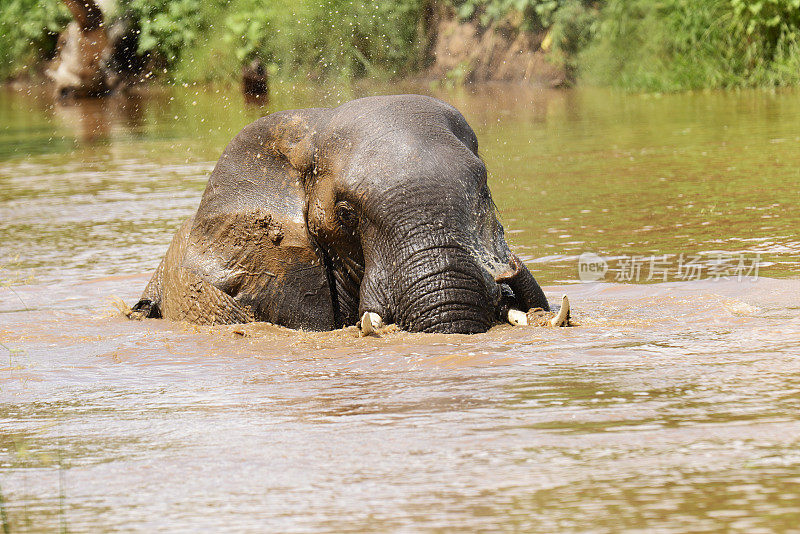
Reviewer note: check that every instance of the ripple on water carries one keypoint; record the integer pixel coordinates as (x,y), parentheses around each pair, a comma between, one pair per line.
(673,408)
(665,411)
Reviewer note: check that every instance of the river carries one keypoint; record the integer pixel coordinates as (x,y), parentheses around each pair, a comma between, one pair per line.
(671,221)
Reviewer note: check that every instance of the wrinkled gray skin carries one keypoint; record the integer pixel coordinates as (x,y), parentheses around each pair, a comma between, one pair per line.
(312,217)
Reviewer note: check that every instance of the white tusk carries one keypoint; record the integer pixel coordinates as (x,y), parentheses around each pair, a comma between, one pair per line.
(370,322)
(517,318)
(563,313)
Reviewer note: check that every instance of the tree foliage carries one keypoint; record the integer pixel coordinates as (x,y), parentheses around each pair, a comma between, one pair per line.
(210,40)
(670,45)
(534,14)
(653,45)
(169,28)
(28,31)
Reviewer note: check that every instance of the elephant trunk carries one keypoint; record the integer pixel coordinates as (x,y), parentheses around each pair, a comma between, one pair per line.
(527,293)
(446,292)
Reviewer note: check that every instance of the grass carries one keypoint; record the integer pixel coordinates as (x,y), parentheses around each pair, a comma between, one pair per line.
(674,45)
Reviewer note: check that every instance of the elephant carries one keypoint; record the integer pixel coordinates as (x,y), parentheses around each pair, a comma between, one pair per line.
(313,218)
(255,82)
(94,57)
(77,69)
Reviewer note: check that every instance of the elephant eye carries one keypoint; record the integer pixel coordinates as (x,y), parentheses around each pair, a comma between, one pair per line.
(346,214)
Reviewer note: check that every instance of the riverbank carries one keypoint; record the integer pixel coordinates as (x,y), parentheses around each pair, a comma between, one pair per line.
(644,45)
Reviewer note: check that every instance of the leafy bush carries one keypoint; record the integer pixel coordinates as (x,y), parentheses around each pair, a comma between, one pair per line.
(332,37)
(770,33)
(640,44)
(573,28)
(569,24)
(774,23)
(168,28)
(535,14)
(210,40)
(673,45)
(651,45)
(28,31)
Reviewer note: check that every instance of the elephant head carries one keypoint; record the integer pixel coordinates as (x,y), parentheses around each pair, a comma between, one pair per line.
(313,217)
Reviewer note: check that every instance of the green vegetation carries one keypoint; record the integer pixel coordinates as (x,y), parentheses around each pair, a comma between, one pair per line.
(328,37)
(28,31)
(671,45)
(533,15)
(198,40)
(647,45)
(172,28)
(569,24)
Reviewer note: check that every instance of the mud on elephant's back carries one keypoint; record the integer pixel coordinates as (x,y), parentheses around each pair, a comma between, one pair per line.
(265,263)
(179,294)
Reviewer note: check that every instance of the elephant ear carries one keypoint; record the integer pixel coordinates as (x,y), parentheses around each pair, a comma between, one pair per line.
(249,238)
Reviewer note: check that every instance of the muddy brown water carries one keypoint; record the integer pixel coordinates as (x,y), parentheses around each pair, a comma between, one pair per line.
(675,407)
